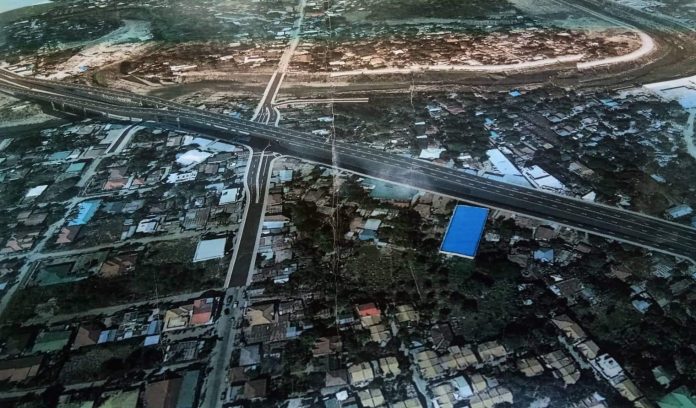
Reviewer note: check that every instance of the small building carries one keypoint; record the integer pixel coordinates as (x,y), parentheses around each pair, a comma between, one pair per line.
(20,369)
(679,211)
(336,378)
(372,397)
(607,366)
(87,335)
(250,355)
(429,367)
(256,389)
(569,328)
(441,335)
(202,311)
(35,191)
(162,394)
(325,346)
(409,403)
(462,388)
(530,367)
(663,376)
(188,390)
(85,212)
(230,195)
(75,168)
(544,255)
(460,357)
(210,249)
(562,366)
(628,390)
(380,334)
(443,395)
(405,314)
(491,351)
(177,318)
(68,234)
(389,366)
(368,309)
(360,374)
(491,398)
(50,341)
(589,349)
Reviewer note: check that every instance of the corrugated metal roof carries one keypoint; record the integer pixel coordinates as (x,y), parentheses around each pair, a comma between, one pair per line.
(464,231)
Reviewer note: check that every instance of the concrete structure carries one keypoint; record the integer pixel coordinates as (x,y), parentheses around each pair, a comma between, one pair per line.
(210,249)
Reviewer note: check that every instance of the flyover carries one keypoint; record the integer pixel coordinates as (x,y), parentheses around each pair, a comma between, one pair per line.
(611,222)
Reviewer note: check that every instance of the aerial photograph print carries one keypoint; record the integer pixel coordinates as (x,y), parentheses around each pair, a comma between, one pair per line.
(347,203)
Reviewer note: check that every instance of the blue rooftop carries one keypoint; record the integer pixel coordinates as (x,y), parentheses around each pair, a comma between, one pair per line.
(85,212)
(464,231)
(544,255)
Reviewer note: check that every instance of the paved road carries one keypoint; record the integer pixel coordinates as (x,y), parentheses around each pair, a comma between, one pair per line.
(240,270)
(611,222)
(226,328)
(266,112)
(257,180)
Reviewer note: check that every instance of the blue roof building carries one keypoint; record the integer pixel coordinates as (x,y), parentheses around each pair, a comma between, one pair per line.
(544,255)
(464,231)
(85,212)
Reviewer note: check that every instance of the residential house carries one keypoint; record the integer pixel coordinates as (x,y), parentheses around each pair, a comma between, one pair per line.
(162,394)
(409,403)
(530,367)
(20,369)
(371,397)
(256,389)
(50,341)
(429,367)
(202,311)
(389,366)
(491,351)
(368,309)
(570,329)
(628,390)
(562,366)
(360,374)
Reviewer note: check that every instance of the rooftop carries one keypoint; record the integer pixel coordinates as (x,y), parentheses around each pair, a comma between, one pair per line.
(210,249)
(464,231)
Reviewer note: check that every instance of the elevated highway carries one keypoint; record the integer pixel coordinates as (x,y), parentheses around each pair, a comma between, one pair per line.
(611,222)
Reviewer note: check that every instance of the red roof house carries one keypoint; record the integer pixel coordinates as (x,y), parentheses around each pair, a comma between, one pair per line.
(368,309)
(202,311)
